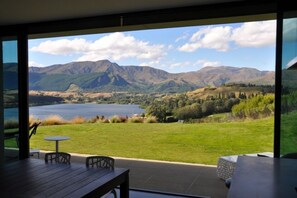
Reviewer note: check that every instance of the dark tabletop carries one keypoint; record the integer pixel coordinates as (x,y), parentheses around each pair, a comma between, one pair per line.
(35,178)
(264,177)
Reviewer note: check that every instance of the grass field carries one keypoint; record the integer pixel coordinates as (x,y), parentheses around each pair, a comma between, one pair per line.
(195,143)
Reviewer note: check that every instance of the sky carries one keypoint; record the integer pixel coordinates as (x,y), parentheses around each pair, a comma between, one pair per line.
(174,50)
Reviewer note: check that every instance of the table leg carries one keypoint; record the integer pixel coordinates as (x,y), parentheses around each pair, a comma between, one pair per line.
(57,146)
(124,188)
(57,150)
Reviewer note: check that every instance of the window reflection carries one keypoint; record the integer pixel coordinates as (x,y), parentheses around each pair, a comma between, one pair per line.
(10,99)
(289,87)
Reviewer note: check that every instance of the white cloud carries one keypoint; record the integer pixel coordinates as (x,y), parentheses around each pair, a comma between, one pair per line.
(153,63)
(255,34)
(180,64)
(170,47)
(172,66)
(35,64)
(62,46)
(114,47)
(250,34)
(211,37)
(206,63)
(183,37)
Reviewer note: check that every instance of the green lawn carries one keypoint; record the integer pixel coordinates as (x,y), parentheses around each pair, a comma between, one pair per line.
(195,143)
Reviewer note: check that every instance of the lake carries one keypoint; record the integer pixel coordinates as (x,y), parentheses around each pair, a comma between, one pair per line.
(90,110)
(69,111)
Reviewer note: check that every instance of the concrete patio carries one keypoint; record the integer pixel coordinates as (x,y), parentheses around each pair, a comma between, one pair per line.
(181,178)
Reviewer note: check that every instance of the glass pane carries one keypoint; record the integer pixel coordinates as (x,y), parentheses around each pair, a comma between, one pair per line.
(288,141)
(10,99)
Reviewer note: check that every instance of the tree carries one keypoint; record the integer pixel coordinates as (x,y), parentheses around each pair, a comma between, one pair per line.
(208,108)
(193,111)
(258,106)
(159,110)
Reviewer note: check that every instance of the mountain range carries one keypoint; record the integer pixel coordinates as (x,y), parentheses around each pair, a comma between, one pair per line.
(105,76)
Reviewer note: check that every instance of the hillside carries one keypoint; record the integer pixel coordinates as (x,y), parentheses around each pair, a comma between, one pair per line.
(105,76)
(224,91)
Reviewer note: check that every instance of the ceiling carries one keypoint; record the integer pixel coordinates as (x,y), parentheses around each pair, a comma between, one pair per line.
(14,12)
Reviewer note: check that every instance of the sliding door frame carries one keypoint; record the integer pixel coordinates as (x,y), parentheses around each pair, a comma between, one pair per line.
(21,37)
(175,17)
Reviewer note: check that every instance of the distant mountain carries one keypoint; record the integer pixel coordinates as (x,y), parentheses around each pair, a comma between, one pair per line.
(216,76)
(105,76)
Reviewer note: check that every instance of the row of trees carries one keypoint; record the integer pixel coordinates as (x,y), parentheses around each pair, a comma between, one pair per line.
(256,107)
(184,108)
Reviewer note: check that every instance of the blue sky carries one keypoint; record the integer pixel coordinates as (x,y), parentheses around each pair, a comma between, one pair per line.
(172,49)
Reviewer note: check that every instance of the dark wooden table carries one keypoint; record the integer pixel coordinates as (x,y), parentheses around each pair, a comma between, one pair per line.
(264,177)
(35,178)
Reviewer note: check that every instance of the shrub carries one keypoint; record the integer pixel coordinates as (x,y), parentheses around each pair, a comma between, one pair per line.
(94,119)
(115,119)
(157,109)
(31,119)
(256,107)
(124,118)
(135,120)
(78,120)
(188,112)
(103,120)
(53,120)
(151,119)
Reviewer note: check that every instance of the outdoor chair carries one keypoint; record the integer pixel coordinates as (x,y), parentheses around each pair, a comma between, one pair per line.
(60,158)
(33,128)
(32,131)
(101,162)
